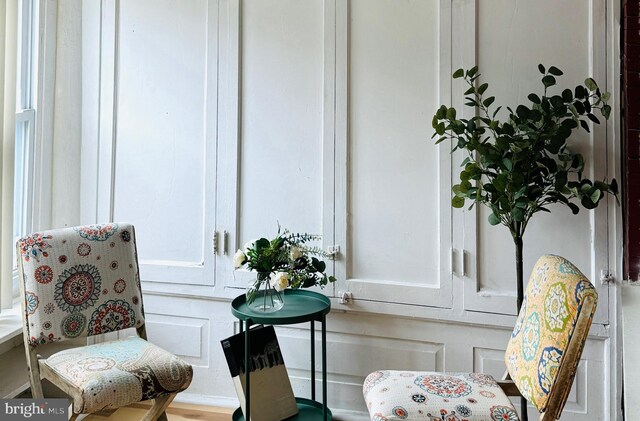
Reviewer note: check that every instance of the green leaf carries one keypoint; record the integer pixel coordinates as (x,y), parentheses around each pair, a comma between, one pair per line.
(508,129)
(588,203)
(541,68)
(451,113)
(548,81)
(457,202)
(570,123)
(500,182)
(567,95)
(522,111)
(555,144)
(483,88)
(601,185)
(434,121)
(561,180)
(580,92)
(585,126)
(508,164)
(593,118)
(595,196)
(574,208)
(557,101)
(606,96)
(472,71)
(262,243)
(555,71)
(493,219)
(591,84)
(613,188)
(573,110)
(606,111)
(534,98)
(487,102)
(518,214)
(458,73)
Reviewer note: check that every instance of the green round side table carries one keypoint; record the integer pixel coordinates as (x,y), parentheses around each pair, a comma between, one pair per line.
(300,306)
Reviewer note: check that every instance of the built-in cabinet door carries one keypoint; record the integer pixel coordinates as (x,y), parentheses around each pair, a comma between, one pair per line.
(534,32)
(392,182)
(156,132)
(275,165)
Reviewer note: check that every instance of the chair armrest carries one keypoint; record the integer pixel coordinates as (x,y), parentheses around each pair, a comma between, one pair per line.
(509,388)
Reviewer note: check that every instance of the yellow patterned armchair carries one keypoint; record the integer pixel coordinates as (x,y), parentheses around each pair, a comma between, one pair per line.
(541,358)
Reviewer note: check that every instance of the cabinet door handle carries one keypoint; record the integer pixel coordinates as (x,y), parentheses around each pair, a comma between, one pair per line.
(214,242)
(452,261)
(225,236)
(463,257)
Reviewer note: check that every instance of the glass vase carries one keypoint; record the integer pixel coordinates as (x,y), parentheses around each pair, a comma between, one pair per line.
(266,299)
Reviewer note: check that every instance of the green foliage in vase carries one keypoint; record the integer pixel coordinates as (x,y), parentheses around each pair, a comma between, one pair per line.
(285,261)
(519,166)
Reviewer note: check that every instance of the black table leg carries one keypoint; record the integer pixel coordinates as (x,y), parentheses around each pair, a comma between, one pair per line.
(313,360)
(324,365)
(247,377)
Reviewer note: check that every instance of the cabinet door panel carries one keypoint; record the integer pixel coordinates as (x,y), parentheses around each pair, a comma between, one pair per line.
(398,218)
(279,158)
(161,160)
(578,48)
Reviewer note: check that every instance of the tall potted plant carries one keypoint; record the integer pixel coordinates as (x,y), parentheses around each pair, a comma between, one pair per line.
(519,166)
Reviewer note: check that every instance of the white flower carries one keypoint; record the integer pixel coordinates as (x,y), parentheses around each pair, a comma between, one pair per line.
(249,244)
(239,258)
(279,280)
(295,253)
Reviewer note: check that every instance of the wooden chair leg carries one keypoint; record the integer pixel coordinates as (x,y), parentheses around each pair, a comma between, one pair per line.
(156,412)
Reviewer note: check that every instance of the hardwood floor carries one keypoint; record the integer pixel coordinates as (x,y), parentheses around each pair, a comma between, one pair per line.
(176,412)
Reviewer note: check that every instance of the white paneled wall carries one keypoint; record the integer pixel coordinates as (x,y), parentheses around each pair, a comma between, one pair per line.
(208,122)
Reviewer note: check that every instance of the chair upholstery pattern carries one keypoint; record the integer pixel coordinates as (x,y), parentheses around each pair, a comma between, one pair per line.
(429,396)
(552,303)
(118,373)
(80,282)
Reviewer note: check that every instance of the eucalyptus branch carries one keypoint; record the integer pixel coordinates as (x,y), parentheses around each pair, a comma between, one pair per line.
(522,164)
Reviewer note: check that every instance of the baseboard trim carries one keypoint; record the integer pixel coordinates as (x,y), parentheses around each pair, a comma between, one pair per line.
(208,400)
(226,402)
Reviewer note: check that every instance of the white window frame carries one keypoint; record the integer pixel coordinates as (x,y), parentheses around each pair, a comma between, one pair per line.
(35,83)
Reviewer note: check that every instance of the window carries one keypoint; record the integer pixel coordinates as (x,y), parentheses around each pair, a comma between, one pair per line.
(25,123)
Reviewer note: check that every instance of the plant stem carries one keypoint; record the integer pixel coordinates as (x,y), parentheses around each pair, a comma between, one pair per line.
(517,239)
(264,292)
(519,271)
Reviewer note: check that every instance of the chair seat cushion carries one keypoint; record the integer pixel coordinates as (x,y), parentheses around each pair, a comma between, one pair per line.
(117,373)
(412,395)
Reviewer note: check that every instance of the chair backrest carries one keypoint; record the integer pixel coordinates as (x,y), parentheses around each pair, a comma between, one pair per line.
(550,333)
(79,282)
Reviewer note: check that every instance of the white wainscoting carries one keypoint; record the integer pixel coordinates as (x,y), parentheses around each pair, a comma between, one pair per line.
(357,344)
